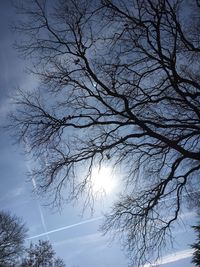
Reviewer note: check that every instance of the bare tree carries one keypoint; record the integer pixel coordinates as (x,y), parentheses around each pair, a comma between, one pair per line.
(12,235)
(41,255)
(119,85)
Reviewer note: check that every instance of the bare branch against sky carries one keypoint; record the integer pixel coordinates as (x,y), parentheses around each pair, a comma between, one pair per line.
(119,87)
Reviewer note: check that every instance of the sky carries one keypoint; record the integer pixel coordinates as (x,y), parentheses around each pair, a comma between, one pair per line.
(75,237)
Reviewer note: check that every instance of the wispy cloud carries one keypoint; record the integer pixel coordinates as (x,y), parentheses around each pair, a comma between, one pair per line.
(83,239)
(7,103)
(5,108)
(16,192)
(93,243)
(172,258)
(65,227)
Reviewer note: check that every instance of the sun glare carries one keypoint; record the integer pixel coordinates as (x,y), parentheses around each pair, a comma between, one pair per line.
(102,180)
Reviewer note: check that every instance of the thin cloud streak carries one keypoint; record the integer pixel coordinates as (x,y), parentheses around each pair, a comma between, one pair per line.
(172,258)
(35,188)
(72,225)
(82,240)
(39,207)
(183,195)
(65,227)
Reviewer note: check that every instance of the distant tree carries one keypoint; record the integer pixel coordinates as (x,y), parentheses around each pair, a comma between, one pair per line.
(120,86)
(12,236)
(196,247)
(59,263)
(41,255)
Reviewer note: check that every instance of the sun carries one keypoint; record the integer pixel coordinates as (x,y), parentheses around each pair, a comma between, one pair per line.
(102,180)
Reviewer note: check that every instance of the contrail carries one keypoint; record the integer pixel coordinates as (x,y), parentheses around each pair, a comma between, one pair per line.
(35,188)
(65,227)
(180,255)
(39,207)
(184,195)
(72,225)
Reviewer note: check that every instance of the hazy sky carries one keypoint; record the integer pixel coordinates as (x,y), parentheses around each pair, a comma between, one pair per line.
(76,239)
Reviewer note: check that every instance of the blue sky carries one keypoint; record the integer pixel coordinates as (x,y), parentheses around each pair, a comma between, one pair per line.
(79,242)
